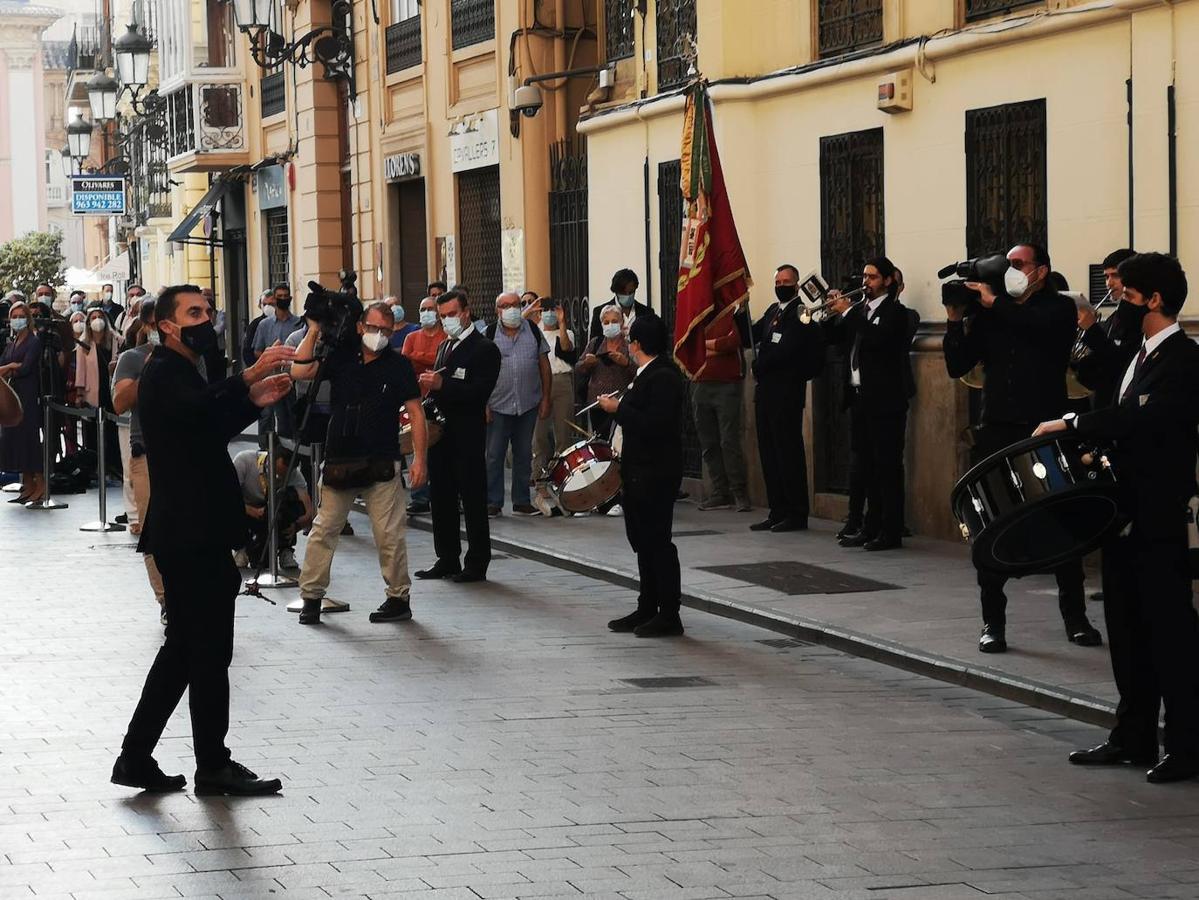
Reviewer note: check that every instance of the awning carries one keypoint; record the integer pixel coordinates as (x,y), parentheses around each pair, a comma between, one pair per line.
(115,269)
(182,232)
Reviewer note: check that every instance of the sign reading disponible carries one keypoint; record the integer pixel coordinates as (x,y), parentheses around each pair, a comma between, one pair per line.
(98,195)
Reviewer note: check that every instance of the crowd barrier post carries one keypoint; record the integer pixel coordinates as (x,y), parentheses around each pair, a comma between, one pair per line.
(273,579)
(102,524)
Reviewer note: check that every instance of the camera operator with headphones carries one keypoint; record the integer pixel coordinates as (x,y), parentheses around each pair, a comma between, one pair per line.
(1022,333)
(370,383)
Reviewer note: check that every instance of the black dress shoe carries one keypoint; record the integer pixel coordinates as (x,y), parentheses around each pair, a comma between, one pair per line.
(311,613)
(439,570)
(467,576)
(857,539)
(791,523)
(632,620)
(992,640)
(235,780)
(1109,754)
(394,609)
(850,527)
(664,624)
(146,775)
(882,543)
(1173,768)
(1084,634)
(765,525)
(417,508)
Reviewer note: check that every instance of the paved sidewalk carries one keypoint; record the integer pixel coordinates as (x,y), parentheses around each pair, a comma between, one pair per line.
(924,615)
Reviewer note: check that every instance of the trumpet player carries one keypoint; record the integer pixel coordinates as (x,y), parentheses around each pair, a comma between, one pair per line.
(1105,346)
(875,333)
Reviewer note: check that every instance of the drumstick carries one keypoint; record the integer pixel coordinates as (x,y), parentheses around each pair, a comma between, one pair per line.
(595,404)
(582,431)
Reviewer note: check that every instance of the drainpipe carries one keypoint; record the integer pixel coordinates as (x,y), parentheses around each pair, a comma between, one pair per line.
(1172,144)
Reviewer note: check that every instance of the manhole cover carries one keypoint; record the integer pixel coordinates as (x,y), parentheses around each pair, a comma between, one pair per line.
(785,643)
(670,681)
(788,577)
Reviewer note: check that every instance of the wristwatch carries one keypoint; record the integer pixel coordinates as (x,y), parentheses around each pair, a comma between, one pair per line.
(1071,420)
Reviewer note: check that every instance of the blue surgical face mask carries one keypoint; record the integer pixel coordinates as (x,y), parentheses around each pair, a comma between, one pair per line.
(549,319)
(18,325)
(76,307)
(428,318)
(510,316)
(397,312)
(612,330)
(626,300)
(452,325)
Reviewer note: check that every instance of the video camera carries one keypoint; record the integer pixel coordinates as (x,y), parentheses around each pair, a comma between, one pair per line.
(988,269)
(337,313)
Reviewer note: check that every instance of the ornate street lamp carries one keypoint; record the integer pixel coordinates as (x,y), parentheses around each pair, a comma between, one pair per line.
(68,165)
(79,139)
(132,51)
(102,93)
(331,45)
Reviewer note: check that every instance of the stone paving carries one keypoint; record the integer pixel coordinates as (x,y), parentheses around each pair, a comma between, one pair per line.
(495,748)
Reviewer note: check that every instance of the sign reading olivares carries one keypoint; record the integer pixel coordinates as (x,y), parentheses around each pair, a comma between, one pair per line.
(98,195)
(475,142)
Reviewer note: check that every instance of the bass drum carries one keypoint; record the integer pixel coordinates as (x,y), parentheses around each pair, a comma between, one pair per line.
(585,476)
(1037,504)
(434,424)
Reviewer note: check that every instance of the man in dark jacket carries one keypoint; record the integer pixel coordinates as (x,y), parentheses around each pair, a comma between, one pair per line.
(624,295)
(1153,631)
(195,519)
(651,465)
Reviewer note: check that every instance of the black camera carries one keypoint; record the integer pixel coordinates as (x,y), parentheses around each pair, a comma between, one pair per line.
(337,313)
(988,270)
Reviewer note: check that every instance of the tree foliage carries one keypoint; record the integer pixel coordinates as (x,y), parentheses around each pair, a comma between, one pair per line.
(32,259)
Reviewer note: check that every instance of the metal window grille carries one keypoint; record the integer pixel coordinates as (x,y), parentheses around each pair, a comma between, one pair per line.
(670,236)
(851,231)
(272,92)
(618,29)
(982,9)
(278,257)
(568,234)
(847,25)
(480,265)
(403,44)
(1096,282)
(676,35)
(472,22)
(1006,183)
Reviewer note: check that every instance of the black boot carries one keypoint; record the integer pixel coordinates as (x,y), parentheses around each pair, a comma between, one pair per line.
(311,613)
(630,622)
(665,624)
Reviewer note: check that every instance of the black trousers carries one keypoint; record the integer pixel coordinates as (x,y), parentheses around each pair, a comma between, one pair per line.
(201,589)
(1153,638)
(784,459)
(458,470)
(876,471)
(648,523)
(1071,589)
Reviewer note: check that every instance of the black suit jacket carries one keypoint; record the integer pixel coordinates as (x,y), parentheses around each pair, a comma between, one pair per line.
(471,371)
(651,415)
(1112,343)
(884,360)
(1154,430)
(195,497)
(597,327)
(789,355)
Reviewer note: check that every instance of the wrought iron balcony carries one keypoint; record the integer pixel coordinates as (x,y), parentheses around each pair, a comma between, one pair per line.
(205,125)
(272,93)
(403,44)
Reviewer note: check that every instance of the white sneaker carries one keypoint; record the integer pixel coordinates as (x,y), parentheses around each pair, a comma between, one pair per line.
(287,560)
(241,559)
(616,510)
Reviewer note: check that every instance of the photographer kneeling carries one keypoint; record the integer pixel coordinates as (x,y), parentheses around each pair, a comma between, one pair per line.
(370,383)
(294,507)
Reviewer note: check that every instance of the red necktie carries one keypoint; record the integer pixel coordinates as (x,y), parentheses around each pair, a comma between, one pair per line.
(1135,371)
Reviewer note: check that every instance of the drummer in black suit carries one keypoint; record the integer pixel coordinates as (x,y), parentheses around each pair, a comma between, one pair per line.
(463,377)
(1022,334)
(1153,630)
(651,414)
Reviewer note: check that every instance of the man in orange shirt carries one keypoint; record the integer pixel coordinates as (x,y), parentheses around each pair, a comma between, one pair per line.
(420,348)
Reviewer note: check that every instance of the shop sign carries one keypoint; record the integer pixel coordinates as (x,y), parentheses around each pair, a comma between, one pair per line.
(271,186)
(98,195)
(475,142)
(401,166)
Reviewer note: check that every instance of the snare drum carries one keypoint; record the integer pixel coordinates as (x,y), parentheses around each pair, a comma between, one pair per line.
(1037,504)
(585,475)
(434,424)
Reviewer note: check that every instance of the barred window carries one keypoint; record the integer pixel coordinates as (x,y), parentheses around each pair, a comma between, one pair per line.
(676,37)
(472,22)
(847,25)
(278,257)
(1006,182)
(480,265)
(983,9)
(618,29)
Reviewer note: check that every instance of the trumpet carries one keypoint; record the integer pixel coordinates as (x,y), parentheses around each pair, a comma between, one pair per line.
(1080,350)
(822,312)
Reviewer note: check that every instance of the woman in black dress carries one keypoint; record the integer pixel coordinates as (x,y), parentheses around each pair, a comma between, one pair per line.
(21,445)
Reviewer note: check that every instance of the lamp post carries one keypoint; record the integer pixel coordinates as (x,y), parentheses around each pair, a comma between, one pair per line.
(102,93)
(331,45)
(132,50)
(79,139)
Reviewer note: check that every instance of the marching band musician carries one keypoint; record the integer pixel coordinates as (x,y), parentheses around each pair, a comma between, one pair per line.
(877,334)
(1153,631)
(788,355)
(1110,344)
(1022,336)
(651,414)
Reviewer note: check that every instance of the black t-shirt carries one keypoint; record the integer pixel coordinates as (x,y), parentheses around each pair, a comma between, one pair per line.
(366,399)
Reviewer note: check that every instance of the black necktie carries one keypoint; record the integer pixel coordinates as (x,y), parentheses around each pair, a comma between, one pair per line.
(1136,370)
(857,339)
(444,353)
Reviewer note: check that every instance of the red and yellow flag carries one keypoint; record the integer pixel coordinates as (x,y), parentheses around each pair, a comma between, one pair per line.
(713,275)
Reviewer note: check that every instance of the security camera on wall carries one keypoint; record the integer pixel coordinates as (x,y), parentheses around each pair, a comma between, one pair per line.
(527,100)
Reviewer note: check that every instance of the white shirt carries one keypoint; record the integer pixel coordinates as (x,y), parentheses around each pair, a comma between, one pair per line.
(558,366)
(1149,345)
(855,377)
(641,369)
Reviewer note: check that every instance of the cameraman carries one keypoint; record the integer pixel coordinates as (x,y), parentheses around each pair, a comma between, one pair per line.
(1022,333)
(370,383)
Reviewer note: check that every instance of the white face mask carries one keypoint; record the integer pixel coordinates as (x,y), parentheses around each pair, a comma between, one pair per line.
(428,318)
(107,295)
(1015,282)
(612,330)
(268,309)
(18,325)
(452,325)
(374,341)
(153,337)
(97,326)
(78,326)
(510,316)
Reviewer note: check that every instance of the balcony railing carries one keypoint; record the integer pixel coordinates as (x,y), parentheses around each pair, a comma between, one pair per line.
(403,44)
(56,195)
(272,93)
(145,17)
(204,117)
(86,49)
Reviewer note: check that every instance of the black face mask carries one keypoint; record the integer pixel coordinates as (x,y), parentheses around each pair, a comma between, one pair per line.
(199,339)
(283,302)
(1132,314)
(785,292)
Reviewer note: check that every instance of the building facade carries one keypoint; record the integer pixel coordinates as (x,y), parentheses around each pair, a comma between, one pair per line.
(1071,123)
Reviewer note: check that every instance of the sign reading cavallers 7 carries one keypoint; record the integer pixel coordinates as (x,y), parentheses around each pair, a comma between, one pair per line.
(98,195)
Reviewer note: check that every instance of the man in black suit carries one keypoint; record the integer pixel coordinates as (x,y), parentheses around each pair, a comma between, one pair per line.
(651,468)
(463,376)
(788,354)
(195,520)
(1110,344)
(1153,631)
(875,333)
(624,295)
